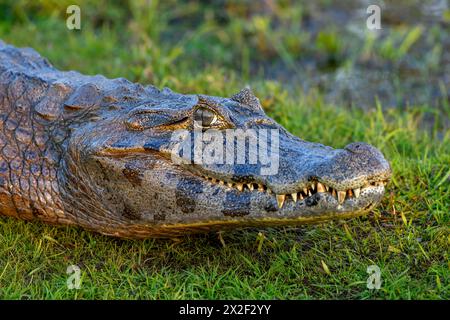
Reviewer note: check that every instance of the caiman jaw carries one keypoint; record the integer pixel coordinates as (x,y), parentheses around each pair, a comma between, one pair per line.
(301,194)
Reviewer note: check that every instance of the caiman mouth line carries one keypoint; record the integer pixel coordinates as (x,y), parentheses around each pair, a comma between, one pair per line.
(302,194)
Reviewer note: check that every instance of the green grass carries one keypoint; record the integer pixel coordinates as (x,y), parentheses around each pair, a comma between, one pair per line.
(407,236)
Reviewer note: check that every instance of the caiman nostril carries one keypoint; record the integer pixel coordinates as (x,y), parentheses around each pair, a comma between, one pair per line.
(358,147)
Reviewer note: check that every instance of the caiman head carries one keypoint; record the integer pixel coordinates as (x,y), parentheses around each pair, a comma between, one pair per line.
(164,164)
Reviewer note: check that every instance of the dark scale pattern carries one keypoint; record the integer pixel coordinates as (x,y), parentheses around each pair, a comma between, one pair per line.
(28,179)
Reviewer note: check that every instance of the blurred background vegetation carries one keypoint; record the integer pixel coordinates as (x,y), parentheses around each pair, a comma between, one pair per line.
(320,73)
(304,45)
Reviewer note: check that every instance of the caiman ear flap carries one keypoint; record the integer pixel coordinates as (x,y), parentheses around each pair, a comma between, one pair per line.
(50,107)
(247,97)
(85,96)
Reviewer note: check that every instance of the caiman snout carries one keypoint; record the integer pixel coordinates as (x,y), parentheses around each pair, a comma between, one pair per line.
(339,173)
(357,165)
(314,173)
(360,147)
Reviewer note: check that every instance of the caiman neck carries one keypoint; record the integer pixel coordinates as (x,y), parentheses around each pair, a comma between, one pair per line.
(28,167)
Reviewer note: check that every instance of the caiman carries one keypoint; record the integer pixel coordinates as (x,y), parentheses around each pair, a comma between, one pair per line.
(99,153)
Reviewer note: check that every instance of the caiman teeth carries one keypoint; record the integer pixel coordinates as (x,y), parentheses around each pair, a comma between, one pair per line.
(280,200)
(341,196)
(315,187)
(320,187)
(294,196)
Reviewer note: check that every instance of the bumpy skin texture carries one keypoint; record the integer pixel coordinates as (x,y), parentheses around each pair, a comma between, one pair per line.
(95,152)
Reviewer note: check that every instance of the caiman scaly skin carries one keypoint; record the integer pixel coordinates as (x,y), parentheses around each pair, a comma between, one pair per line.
(95,152)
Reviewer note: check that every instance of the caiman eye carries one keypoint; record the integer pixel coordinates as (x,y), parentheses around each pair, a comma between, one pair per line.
(205,117)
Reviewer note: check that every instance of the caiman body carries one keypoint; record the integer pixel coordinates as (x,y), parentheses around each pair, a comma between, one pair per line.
(98,153)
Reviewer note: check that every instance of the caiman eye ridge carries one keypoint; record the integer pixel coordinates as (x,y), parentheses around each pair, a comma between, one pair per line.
(303,194)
